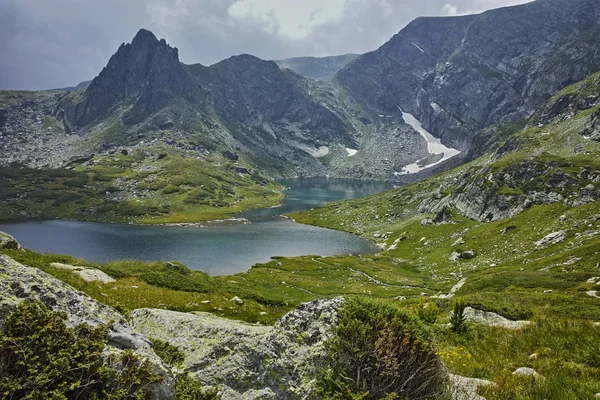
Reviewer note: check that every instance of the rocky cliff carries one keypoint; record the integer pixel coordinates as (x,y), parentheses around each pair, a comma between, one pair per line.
(458,75)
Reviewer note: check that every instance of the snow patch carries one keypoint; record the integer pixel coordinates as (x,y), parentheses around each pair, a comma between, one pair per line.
(434,146)
(436,107)
(417,46)
(351,152)
(317,153)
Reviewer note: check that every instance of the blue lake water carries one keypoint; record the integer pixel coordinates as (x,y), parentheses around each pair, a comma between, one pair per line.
(217,249)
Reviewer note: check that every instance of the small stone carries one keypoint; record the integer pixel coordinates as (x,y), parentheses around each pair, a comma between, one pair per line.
(426,222)
(467,255)
(205,302)
(552,238)
(458,242)
(525,371)
(534,356)
(547,291)
(262,313)
(236,300)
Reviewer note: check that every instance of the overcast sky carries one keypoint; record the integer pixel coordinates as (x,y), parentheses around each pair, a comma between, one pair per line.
(55,43)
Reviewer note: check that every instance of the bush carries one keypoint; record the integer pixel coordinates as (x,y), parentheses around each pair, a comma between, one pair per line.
(169,353)
(186,281)
(188,388)
(458,321)
(42,358)
(427,312)
(380,352)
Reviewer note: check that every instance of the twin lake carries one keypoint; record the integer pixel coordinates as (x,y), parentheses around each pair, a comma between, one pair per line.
(218,249)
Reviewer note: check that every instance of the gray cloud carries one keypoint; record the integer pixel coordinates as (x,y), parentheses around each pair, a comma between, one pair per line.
(56,43)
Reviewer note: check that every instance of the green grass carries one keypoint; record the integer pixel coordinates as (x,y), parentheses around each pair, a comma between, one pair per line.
(135,188)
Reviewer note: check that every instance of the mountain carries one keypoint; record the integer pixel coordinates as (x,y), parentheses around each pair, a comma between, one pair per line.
(323,68)
(458,75)
(146,73)
(426,101)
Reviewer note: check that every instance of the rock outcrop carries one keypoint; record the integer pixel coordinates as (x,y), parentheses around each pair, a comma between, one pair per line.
(458,75)
(8,242)
(248,361)
(20,283)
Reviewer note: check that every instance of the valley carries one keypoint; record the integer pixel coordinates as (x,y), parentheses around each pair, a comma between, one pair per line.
(420,221)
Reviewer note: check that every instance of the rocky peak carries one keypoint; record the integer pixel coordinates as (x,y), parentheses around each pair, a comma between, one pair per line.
(146,72)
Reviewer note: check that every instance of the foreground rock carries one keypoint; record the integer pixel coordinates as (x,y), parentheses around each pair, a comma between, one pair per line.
(8,242)
(20,283)
(248,361)
(87,274)
(463,388)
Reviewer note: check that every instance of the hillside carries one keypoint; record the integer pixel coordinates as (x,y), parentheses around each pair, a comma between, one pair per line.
(398,113)
(459,75)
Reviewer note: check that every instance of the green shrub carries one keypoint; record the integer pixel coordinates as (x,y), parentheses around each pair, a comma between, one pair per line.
(427,312)
(188,388)
(187,281)
(42,358)
(380,352)
(169,353)
(458,319)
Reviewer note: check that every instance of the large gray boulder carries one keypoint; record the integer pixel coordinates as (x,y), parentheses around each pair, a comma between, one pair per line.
(248,361)
(8,242)
(19,283)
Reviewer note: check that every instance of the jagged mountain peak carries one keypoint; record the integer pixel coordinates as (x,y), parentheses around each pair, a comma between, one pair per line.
(144,36)
(146,71)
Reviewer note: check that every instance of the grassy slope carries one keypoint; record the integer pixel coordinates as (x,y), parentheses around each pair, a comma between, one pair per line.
(510,275)
(137,187)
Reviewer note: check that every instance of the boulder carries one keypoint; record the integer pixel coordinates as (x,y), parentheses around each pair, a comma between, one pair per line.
(8,242)
(525,371)
(85,273)
(552,238)
(463,388)
(20,283)
(444,216)
(237,300)
(467,255)
(248,360)
(492,319)
(231,156)
(426,221)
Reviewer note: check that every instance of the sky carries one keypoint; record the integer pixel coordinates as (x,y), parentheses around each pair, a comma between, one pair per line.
(48,44)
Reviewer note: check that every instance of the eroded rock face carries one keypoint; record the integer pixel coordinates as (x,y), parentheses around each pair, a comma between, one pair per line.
(250,361)
(20,283)
(459,75)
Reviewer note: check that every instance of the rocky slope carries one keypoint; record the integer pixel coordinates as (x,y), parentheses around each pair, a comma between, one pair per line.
(323,68)
(458,75)
(20,283)
(249,361)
